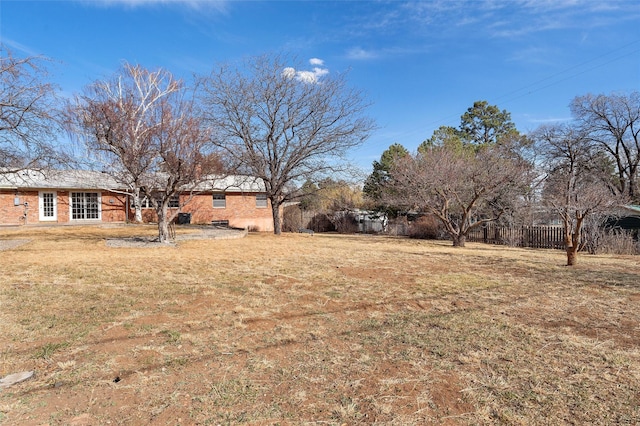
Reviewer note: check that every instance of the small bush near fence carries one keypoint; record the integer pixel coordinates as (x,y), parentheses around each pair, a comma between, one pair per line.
(426,227)
(344,222)
(291,219)
(615,241)
(320,223)
(294,219)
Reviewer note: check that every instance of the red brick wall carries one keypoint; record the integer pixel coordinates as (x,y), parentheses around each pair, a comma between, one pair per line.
(64,213)
(11,214)
(113,207)
(240,210)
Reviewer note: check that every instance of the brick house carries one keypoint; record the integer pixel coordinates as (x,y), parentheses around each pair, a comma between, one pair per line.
(87,197)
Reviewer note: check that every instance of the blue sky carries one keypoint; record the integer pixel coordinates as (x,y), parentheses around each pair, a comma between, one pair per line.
(422,64)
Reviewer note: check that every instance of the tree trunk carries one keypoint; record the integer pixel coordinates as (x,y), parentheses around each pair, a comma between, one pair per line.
(137,205)
(277,222)
(572,256)
(163,223)
(459,240)
(573,241)
(634,186)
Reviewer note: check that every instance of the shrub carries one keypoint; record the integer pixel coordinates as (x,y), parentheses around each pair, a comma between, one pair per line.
(426,227)
(291,219)
(345,222)
(321,223)
(616,241)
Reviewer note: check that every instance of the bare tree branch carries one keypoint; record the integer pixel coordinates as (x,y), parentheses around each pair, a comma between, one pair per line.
(280,128)
(144,129)
(613,122)
(29,121)
(578,181)
(463,189)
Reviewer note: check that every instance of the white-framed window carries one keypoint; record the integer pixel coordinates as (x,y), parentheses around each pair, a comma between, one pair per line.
(174,202)
(85,205)
(219,200)
(261,200)
(48,206)
(145,202)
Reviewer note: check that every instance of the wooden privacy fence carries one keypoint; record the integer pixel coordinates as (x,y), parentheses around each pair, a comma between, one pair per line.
(523,236)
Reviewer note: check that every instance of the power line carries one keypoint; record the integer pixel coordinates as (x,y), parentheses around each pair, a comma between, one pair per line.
(535,86)
(571,75)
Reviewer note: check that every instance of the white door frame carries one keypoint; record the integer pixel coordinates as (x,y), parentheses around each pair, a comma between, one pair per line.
(41,206)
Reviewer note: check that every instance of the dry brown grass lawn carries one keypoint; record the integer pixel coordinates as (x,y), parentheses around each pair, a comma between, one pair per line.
(322,329)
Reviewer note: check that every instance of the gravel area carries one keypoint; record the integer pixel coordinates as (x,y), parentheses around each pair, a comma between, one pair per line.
(11,244)
(200,233)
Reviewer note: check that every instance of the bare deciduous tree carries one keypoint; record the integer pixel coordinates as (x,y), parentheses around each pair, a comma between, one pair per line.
(578,184)
(28,114)
(116,119)
(613,122)
(183,158)
(463,189)
(281,125)
(144,130)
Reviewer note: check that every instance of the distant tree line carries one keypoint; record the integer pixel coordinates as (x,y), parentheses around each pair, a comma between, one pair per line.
(486,171)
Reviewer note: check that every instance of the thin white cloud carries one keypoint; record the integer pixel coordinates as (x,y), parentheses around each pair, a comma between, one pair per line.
(534,16)
(535,55)
(512,18)
(548,120)
(358,53)
(18,47)
(306,76)
(544,6)
(193,4)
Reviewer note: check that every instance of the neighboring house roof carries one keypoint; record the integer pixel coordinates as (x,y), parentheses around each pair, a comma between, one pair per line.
(626,218)
(87,179)
(233,183)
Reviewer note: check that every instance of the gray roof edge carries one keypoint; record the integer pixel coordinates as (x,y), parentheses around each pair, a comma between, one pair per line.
(58,179)
(89,179)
